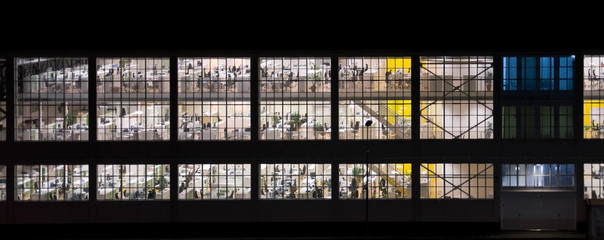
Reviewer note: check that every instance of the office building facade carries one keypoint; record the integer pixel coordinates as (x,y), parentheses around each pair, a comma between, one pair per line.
(503,137)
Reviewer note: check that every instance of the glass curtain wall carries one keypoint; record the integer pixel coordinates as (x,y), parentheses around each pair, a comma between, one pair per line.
(385,181)
(214,181)
(456,97)
(593,180)
(537,97)
(51,100)
(456,180)
(130,182)
(133,99)
(376,89)
(295,98)
(295,181)
(214,99)
(52,182)
(593,97)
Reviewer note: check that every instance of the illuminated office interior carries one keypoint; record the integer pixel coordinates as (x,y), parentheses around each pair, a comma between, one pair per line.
(132,99)
(315,136)
(214,99)
(376,89)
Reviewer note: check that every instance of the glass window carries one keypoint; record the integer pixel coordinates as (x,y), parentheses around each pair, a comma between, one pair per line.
(593,180)
(565,74)
(133,100)
(3,109)
(456,180)
(51,100)
(537,121)
(214,181)
(544,73)
(510,73)
(295,98)
(376,89)
(51,182)
(2,182)
(457,97)
(123,182)
(214,98)
(538,176)
(386,181)
(295,181)
(593,96)
(547,73)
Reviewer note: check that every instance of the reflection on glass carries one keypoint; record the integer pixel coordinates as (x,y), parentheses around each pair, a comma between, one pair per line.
(51,182)
(133,99)
(214,181)
(123,182)
(386,181)
(376,89)
(457,97)
(295,181)
(538,175)
(543,73)
(456,180)
(295,98)
(537,121)
(51,102)
(214,99)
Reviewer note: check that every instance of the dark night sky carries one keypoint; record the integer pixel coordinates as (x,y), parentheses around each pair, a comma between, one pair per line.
(420,25)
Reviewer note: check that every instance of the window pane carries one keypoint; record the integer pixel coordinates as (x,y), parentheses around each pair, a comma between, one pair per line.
(295,98)
(457,180)
(133,97)
(214,99)
(457,97)
(386,181)
(541,175)
(538,73)
(510,73)
(593,94)
(51,182)
(295,181)
(51,99)
(376,89)
(214,181)
(537,121)
(124,182)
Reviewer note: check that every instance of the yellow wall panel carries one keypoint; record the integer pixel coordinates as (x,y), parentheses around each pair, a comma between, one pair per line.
(393,64)
(401,108)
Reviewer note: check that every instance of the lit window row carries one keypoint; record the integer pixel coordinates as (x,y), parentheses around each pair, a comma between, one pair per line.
(51,182)
(133,182)
(151,182)
(214,98)
(122,182)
